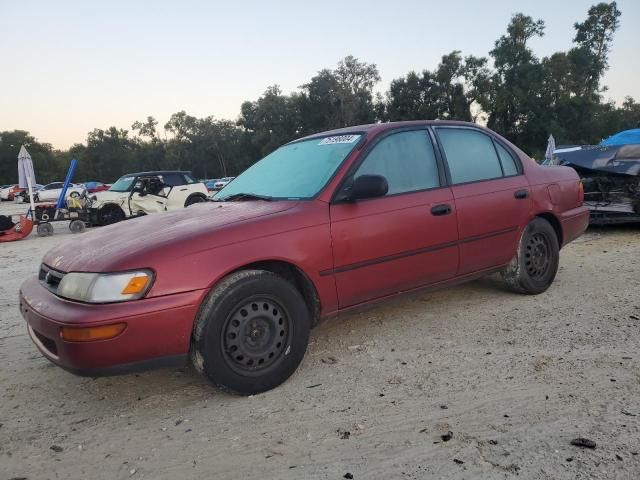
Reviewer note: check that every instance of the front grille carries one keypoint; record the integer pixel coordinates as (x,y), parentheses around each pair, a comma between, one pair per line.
(50,278)
(46,342)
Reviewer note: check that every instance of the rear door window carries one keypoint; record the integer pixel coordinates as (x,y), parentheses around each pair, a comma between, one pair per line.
(188,179)
(173,179)
(470,155)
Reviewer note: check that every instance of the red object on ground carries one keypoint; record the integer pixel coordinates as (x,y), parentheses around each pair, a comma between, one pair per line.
(21,229)
(351,252)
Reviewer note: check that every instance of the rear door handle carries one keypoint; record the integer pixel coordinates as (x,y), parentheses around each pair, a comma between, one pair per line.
(520,194)
(442,209)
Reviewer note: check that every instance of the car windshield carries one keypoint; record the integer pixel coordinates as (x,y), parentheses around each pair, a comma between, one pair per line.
(123,184)
(294,171)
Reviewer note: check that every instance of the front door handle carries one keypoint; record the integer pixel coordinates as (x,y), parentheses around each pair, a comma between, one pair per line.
(520,194)
(442,209)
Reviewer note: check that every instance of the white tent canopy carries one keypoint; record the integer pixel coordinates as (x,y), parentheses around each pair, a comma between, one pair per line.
(25,168)
(551,146)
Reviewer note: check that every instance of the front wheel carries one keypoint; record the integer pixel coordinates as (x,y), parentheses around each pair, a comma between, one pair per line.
(534,267)
(110,214)
(251,332)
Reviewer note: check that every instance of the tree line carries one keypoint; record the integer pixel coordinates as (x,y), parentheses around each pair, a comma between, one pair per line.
(517,94)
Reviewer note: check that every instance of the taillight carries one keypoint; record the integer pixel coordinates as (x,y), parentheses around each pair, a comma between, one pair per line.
(580,192)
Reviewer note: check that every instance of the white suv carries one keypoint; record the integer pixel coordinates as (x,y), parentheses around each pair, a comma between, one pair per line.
(146,192)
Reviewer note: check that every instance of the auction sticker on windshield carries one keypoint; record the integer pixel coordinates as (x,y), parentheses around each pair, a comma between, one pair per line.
(339,139)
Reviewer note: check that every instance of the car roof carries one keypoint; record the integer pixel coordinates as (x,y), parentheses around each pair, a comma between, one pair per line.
(374,128)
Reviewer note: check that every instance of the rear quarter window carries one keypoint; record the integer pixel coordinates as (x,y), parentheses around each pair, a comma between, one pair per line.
(508,163)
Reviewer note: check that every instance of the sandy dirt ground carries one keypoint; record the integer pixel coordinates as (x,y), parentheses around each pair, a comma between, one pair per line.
(514,378)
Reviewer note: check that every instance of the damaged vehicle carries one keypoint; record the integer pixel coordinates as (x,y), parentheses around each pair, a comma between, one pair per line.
(138,194)
(610,174)
(324,224)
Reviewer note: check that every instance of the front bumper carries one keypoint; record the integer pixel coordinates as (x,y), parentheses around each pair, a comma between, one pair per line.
(158,330)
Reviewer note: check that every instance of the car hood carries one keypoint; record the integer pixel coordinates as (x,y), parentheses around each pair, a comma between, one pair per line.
(109,196)
(145,240)
(615,159)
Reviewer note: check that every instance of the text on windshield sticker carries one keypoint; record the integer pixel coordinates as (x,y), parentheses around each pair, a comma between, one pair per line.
(339,139)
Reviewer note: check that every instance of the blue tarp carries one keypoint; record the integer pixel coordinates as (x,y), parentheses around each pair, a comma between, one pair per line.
(625,137)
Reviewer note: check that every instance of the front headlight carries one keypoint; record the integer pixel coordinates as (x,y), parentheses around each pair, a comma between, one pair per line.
(105,287)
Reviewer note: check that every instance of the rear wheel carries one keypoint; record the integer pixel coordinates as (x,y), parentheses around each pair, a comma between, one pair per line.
(534,267)
(251,332)
(195,198)
(111,214)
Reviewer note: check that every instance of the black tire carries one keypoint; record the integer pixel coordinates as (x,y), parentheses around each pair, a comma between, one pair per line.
(77,226)
(110,214)
(251,332)
(44,229)
(534,267)
(195,198)
(74,195)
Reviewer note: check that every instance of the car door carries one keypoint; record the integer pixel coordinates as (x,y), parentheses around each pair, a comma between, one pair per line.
(491,195)
(51,191)
(144,200)
(180,190)
(404,239)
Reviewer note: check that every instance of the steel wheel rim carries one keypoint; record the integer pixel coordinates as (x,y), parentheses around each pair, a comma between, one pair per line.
(256,335)
(538,256)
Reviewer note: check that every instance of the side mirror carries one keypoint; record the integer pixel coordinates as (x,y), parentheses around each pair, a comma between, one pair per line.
(368,186)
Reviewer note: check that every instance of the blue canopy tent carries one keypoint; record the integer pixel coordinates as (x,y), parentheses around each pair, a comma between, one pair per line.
(626,137)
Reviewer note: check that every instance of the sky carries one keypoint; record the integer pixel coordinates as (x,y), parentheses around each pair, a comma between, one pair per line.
(71,66)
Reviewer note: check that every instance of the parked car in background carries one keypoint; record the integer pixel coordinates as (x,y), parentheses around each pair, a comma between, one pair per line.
(4,191)
(9,192)
(220,184)
(142,193)
(211,183)
(94,187)
(25,194)
(323,224)
(610,173)
(51,192)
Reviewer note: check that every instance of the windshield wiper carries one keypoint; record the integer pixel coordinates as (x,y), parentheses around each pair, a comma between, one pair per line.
(247,196)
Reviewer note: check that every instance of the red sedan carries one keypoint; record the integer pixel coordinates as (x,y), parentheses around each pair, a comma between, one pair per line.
(322,225)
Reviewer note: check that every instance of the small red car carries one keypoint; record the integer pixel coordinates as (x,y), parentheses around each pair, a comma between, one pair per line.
(95,187)
(324,224)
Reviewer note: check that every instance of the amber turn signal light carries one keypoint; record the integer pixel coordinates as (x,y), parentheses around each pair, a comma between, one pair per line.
(136,285)
(92,334)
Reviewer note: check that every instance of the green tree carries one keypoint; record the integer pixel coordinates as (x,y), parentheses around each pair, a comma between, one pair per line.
(512,100)
(446,93)
(42,154)
(338,98)
(109,154)
(271,120)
